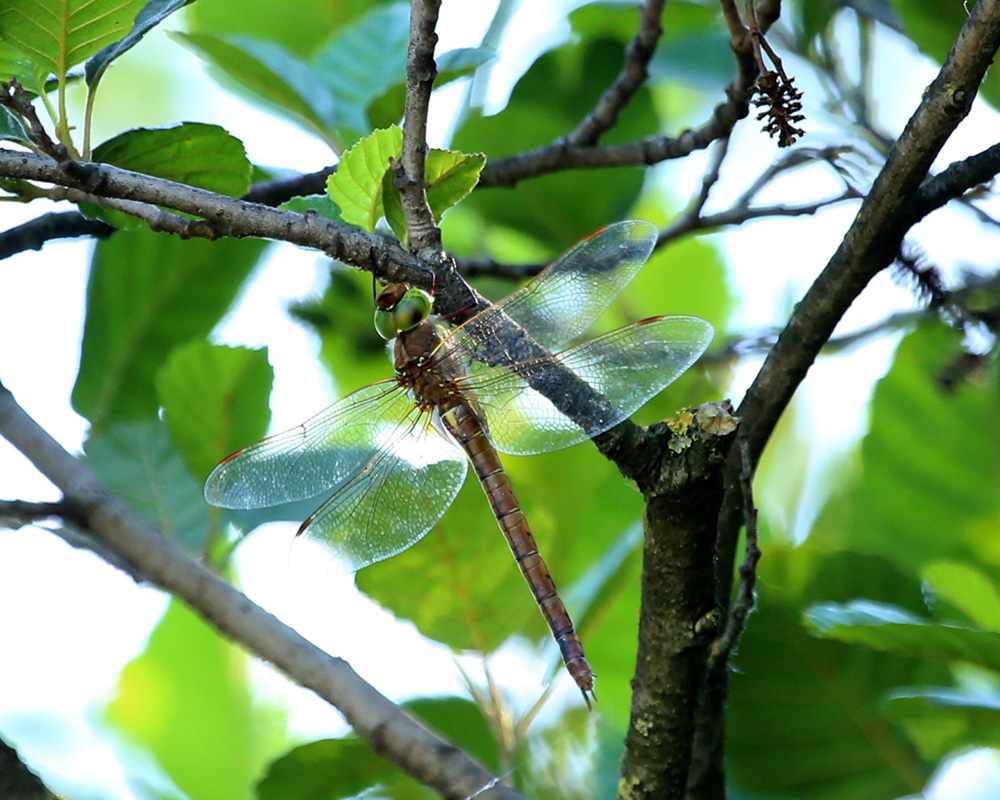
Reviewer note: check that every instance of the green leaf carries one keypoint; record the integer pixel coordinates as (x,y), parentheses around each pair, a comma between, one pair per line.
(930,485)
(356,186)
(59,34)
(449,177)
(138,462)
(187,700)
(806,715)
(328,769)
(264,71)
(318,203)
(886,628)
(941,720)
(215,399)
(361,62)
(300,26)
(193,153)
(148,293)
(458,720)
(387,109)
(336,768)
(15,64)
(11,128)
(968,590)
(151,15)
(549,207)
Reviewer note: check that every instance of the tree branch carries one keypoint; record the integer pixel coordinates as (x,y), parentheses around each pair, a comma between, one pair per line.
(629,80)
(870,245)
(220,215)
(33,235)
(424,234)
(17,782)
(391,733)
(677,616)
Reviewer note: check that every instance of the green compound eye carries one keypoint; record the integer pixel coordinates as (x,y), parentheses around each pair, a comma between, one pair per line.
(412,309)
(385,324)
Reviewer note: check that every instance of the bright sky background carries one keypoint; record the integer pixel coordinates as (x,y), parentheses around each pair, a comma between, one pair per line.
(72,621)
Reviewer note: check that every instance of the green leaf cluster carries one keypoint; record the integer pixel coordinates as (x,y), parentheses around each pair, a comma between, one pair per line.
(347,85)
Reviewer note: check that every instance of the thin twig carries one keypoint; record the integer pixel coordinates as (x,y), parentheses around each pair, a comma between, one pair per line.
(423,232)
(723,646)
(33,235)
(563,154)
(73,531)
(629,80)
(391,733)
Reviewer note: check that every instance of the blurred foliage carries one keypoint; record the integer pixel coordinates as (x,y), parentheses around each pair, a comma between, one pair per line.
(874,651)
(187,699)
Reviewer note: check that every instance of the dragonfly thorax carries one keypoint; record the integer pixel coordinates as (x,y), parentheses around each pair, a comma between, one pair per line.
(422,365)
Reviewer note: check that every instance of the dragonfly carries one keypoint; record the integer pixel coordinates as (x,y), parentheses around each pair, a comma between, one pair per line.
(393,455)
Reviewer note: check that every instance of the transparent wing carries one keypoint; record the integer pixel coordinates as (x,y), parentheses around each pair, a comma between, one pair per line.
(394,500)
(566,298)
(625,368)
(313,457)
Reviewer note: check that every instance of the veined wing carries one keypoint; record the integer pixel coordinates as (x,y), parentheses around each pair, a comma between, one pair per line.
(565,299)
(627,367)
(394,500)
(313,457)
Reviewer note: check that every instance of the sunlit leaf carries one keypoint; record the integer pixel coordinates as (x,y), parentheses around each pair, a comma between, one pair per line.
(967,589)
(139,462)
(300,26)
(148,293)
(187,699)
(448,176)
(930,461)
(356,186)
(59,34)
(215,400)
(15,64)
(193,153)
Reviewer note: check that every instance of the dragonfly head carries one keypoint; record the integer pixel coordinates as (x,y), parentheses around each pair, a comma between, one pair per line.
(399,308)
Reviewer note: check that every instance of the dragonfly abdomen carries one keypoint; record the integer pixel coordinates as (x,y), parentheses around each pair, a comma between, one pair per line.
(463,424)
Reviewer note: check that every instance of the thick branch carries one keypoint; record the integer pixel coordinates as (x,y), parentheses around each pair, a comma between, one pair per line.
(17,782)
(869,246)
(393,735)
(872,241)
(219,215)
(678,613)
